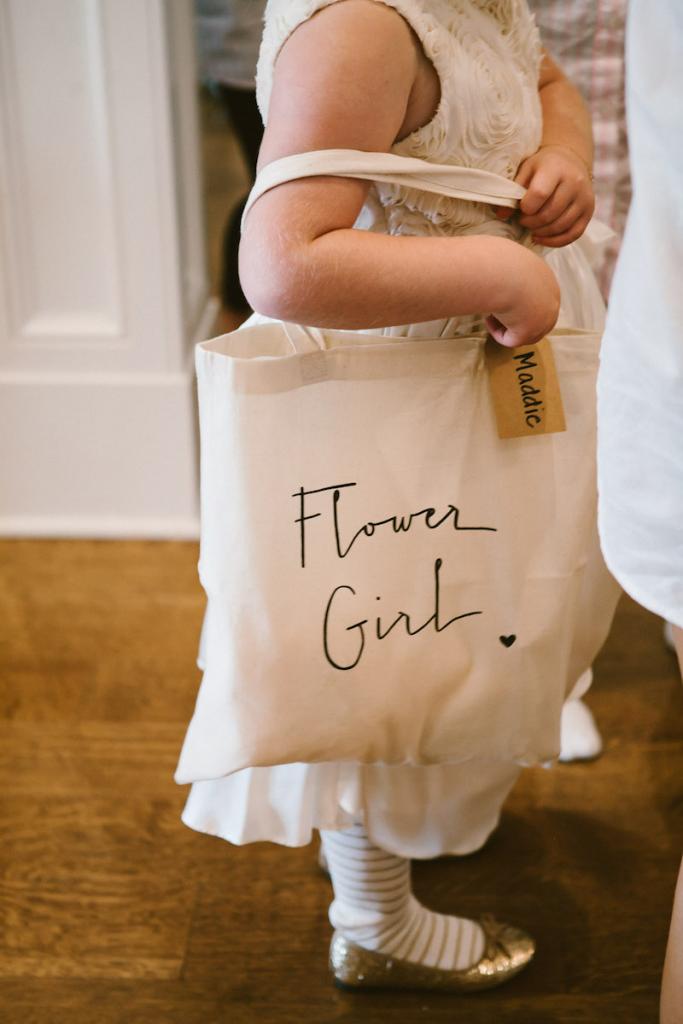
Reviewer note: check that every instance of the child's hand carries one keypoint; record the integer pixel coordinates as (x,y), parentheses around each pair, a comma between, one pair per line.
(559,201)
(529,298)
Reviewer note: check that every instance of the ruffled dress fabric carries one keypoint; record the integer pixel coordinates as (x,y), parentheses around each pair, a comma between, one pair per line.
(487,55)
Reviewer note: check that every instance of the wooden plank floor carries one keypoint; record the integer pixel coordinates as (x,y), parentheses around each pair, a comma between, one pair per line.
(112,911)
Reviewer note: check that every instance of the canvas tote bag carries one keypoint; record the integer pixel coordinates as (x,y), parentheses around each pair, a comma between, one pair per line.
(388,580)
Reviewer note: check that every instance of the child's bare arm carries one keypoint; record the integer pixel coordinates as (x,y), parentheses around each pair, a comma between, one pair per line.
(354,77)
(559,202)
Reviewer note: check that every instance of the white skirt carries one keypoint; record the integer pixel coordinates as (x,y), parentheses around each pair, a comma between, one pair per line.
(412,811)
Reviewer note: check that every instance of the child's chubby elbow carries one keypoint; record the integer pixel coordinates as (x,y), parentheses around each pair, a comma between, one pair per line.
(276,278)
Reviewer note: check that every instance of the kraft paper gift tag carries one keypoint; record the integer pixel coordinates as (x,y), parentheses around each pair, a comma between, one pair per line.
(525,389)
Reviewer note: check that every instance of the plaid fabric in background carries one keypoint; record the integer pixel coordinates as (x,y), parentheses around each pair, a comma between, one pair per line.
(586,38)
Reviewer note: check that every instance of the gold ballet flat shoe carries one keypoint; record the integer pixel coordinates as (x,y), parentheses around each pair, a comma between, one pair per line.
(506,952)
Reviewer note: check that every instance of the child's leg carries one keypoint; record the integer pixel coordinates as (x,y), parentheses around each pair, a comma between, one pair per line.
(672,981)
(385,938)
(580,739)
(375,908)
(241,107)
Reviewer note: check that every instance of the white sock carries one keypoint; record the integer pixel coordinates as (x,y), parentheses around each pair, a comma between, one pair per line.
(580,738)
(374,907)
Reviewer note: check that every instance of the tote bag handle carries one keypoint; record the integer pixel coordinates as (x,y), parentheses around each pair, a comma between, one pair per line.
(303,339)
(467,183)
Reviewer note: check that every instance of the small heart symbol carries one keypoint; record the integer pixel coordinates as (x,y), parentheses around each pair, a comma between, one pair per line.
(507,641)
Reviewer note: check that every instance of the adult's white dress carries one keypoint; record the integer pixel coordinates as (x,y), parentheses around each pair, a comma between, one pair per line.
(641,379)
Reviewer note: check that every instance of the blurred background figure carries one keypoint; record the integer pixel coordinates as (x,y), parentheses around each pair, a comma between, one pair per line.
(640,387)
(586,37)
(228,37)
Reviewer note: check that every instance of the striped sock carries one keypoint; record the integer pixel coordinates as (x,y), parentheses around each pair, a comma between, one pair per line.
(374,907)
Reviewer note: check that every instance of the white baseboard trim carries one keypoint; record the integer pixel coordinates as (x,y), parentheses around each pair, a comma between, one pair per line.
(102,455)
(107,458)
(94,528)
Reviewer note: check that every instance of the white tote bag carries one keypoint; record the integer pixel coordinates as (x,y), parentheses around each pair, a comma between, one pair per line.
(387,580)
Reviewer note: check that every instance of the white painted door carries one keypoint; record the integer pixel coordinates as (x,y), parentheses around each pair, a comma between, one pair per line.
(103,287)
